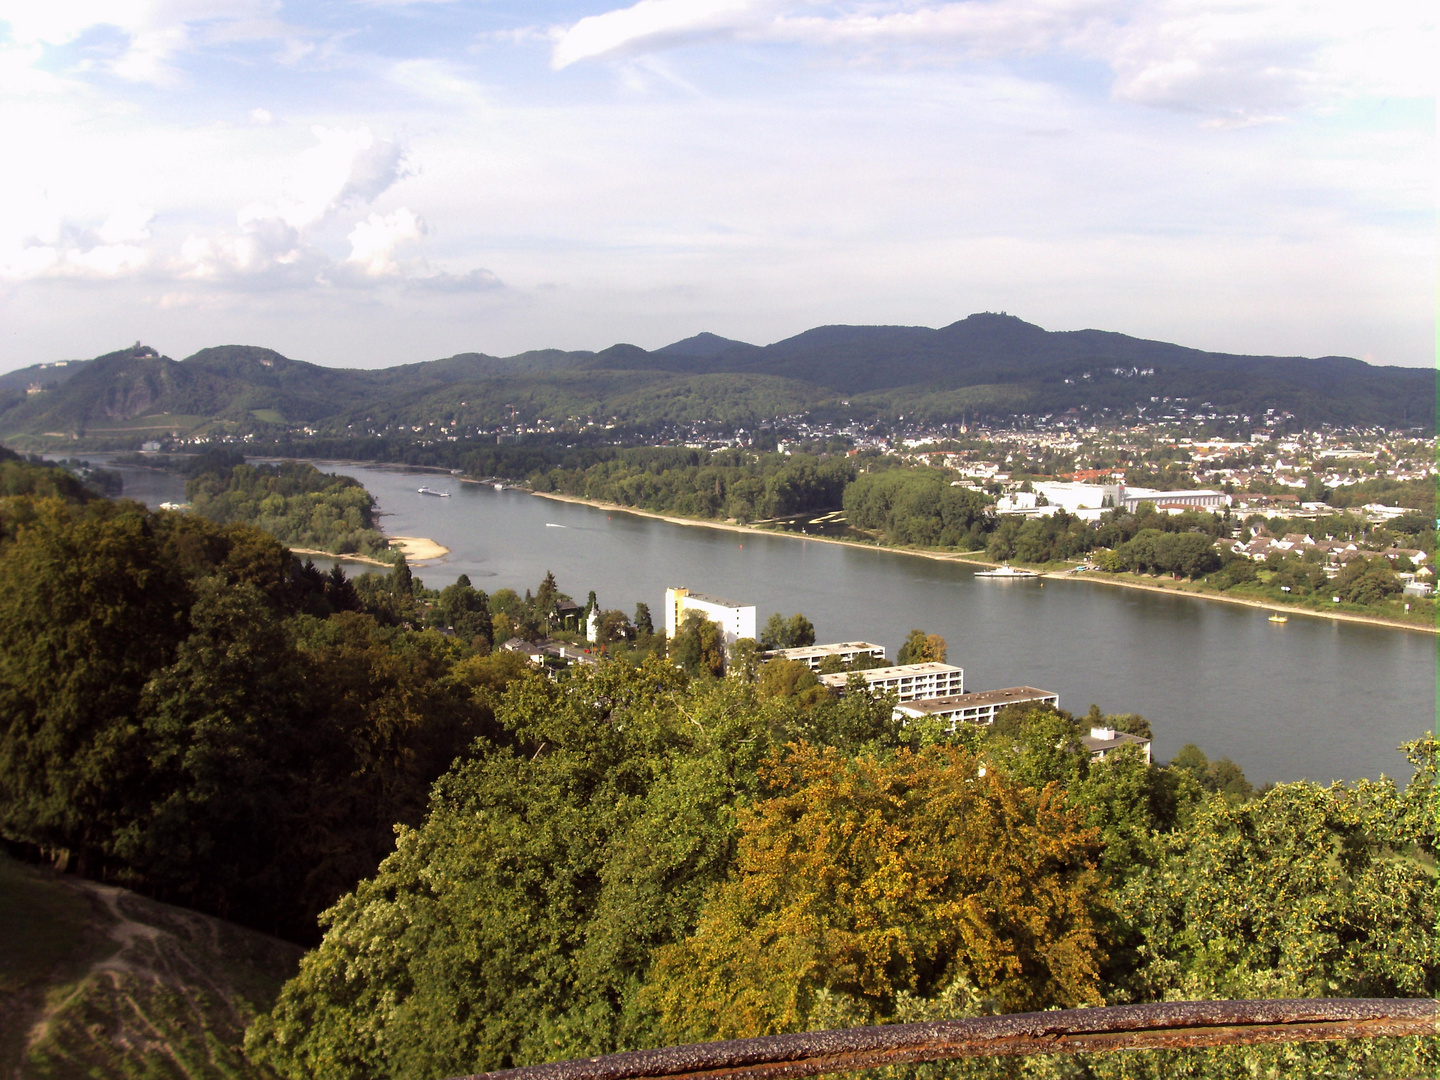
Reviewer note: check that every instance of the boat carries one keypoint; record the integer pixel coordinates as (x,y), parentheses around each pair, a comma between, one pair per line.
(432,491)
(1277,617)
(499,487)
(1007,572)
(552,525)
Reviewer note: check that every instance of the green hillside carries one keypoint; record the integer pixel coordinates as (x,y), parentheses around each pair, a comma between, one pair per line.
(987,366)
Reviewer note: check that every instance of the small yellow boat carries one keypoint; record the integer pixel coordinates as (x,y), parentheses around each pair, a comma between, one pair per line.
(1277,617)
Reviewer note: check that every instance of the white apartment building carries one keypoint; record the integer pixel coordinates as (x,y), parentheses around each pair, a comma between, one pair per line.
(908,682)
(735,620)
(812,656)
(974,708)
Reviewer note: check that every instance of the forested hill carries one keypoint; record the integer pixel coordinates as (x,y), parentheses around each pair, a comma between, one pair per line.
(987,366)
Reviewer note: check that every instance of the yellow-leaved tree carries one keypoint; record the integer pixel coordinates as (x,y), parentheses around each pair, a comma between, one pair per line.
(887,880)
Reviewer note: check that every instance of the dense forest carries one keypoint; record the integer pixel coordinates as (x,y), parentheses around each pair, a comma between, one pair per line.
(500,866)
(643,858)
(294,502)
(740,485)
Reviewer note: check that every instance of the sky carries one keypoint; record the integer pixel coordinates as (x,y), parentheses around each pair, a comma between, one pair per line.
(371,182)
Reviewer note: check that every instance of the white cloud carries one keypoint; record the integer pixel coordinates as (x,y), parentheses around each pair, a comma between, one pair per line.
(653,24)
(344,166)
(1244,59)
(374,240)
(38,241)
(154,32)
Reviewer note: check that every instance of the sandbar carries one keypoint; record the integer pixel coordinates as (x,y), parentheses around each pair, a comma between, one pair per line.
(419,548)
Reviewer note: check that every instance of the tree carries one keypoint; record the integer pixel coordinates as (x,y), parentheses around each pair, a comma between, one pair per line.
(90,607)
(871,879)
(800,631)
(466,610)
(644,628)
(920,648)
(745,659)
(614,626)
(698,645)
(516,925)
(782,633)
(546,597)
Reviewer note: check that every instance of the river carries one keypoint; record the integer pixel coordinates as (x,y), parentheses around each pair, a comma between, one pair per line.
(1307,699)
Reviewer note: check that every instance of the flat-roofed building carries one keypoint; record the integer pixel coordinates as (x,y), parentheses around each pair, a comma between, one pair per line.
(735,620)
(1180,500)
(1103,741)
(974,708)
(812,656)
(908,682)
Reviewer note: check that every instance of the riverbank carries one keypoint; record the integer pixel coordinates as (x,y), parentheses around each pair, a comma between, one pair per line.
(1128,582)
(1096,577)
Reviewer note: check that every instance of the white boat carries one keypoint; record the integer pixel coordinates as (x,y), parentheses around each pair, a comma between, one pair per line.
(552,525)
(499,487)
(1008,573)
(432,491)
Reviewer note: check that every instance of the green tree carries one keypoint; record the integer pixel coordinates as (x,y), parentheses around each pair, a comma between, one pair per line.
(90,608)
(782,633)
(921,648)
(644,627)
(517,924)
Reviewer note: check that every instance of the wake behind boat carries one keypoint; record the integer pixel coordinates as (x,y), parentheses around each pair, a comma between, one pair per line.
(1007,573)
(432,491)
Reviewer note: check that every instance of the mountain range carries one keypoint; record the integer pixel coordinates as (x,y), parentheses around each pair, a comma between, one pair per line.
(987,367)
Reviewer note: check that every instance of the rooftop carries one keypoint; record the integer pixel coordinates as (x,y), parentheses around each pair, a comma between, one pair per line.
(1010,695)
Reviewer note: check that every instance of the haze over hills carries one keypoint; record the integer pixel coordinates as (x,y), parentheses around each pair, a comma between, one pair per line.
(987,367)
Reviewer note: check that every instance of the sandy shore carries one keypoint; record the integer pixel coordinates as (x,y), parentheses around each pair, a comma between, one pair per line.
(419,548)
(416,549)
(344,558)
(1093,578)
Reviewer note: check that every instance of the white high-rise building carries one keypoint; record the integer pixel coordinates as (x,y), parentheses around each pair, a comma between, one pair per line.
(735,620)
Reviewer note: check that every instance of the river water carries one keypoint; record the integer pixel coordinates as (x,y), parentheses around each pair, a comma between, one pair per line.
(1308,699)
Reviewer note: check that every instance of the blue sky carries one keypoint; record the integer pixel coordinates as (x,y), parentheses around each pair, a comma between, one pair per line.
(369,183)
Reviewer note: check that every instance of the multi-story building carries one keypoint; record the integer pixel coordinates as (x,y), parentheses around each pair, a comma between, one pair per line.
(908,682)
(812,656)
(735,620)
(974,708)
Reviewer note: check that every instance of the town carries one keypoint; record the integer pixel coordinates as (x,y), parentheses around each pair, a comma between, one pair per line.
(928,689)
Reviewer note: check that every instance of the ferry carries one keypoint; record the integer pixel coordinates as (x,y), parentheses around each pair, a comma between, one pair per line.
(1007,572)
(432,491)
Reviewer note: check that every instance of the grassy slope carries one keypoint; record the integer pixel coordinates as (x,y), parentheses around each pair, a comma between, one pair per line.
(97,981)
